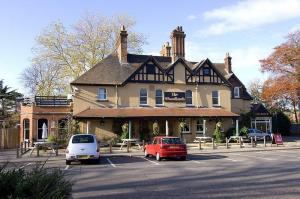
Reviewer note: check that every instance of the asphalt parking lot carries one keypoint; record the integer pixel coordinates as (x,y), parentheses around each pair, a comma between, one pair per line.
(210,174)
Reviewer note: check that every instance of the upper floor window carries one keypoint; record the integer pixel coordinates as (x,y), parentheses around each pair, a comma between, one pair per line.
(143,97)
(215,98)
(206,71)
(189,98)
(236,92)
(150,69)
(102,95)
(158,97)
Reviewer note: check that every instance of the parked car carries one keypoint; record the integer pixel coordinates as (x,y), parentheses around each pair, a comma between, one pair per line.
(166,147)
(259,134)
(83,147)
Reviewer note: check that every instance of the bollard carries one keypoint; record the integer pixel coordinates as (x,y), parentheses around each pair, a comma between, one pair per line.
(240,141)
(265,144)
(128,147)
(21,147)
(17,151)
(110,147)
(226,140)
(143,144)
(213,143)
(38,151)
(200,144)
(25,147)
(56,149)
(251,141)
(255,141)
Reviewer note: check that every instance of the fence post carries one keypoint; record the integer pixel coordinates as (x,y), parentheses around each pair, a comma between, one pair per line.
(251,142)
(25,147)
(21,147)
(37,150)
(128,147)
(226,140)
(110,147)
(265,144)
(143,144)
(199,144)
(255,141)
(240,141)
(213,143)
(56,149)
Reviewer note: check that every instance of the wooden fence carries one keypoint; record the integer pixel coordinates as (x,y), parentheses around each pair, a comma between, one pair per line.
(9,138)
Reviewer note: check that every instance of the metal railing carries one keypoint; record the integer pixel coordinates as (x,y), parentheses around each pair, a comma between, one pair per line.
(51,101)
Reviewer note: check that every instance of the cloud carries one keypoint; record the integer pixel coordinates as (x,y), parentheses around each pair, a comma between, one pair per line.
(295,28)
(250,14)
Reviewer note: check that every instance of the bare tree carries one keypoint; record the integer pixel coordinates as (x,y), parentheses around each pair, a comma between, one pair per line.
(61,55)
(255,89)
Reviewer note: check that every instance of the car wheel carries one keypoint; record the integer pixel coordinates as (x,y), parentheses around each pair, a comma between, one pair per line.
(183,158)
(158,157)
(68,162)
(146,154)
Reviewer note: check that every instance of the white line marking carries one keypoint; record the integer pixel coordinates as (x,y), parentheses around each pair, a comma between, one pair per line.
(67,167)
(25,165)
(196,161)
(110,162)
(249,156)
(156,163)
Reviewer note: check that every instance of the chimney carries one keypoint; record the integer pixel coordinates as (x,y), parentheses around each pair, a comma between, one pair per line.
(177,37)
(122,45)
(166,50)
(227,63)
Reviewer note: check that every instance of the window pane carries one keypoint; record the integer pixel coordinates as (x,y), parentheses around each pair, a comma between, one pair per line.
(143,96)
(189,97)
(199,126)
(158,96)
(102,94)
(215,94)
(215,101)
(236,92)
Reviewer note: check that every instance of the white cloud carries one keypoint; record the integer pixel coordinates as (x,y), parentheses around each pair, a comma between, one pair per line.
(249,14)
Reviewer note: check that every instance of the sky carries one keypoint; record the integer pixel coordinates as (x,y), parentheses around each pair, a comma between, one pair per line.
(247,29)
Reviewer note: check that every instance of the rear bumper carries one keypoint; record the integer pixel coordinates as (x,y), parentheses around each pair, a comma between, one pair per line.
(166,154)
(74,157)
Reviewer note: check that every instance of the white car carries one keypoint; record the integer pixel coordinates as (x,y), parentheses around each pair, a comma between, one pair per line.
(259,134)
(82,147)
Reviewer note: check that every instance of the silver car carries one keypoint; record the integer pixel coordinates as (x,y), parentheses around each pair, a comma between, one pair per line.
(83,147)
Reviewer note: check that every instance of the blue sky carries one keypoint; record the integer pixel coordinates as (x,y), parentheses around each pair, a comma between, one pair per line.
(247,29)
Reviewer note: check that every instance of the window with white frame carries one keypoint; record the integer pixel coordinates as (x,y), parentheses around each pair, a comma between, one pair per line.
(159,97)
(215,98)
(189,98)
(102,95)
(236,92)
(143,97)
(199,126)
(186,127)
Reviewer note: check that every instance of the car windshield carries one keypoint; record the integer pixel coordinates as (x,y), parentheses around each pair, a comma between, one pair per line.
(83,139)
(171,141)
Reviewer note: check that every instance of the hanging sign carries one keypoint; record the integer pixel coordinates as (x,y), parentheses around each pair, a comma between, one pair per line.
(175,96)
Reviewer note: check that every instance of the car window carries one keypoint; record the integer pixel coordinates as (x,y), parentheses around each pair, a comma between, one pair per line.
(83,139)
(171,141)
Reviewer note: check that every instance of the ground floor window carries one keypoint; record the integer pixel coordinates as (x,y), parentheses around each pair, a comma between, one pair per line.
(62,129)
(185,127)
(262,123)
(199,126)
(41,122)
(26,128)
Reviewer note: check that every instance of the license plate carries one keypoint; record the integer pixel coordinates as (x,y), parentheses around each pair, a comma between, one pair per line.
(82,156)
(174,147)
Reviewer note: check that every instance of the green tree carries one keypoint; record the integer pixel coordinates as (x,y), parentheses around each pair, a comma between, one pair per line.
(8,101)
(62,54)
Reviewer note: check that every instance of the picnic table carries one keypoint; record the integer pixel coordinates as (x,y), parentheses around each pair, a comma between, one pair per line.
(132,140)
(51,145)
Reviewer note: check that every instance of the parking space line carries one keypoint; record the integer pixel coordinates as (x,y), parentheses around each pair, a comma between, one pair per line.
(249,156)
(156,163)
(67,167)
(110,162)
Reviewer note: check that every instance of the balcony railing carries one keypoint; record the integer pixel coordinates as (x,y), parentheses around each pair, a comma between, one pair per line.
(51,101)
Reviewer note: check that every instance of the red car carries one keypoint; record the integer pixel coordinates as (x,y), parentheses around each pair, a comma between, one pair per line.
(166,147)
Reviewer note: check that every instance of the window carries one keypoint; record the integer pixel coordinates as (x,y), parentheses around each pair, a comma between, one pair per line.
(158,97)
(189,98)
(41,122)
(236,92)
(77,139)
(199,126)
(26,129)
(186,127)
(206,71)
(102,95)
(143,97)
(215,98)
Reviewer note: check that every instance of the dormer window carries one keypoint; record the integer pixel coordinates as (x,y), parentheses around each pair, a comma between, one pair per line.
(102,95)
(236,92)
(189,98)
(206,71)
(150,69)
(143,97)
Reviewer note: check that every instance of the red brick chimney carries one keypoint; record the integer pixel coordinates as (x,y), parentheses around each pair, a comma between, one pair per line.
(166,50)
(227,63)
(122,45)
(177,37)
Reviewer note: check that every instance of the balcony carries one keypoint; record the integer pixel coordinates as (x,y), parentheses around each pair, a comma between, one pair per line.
(52,101)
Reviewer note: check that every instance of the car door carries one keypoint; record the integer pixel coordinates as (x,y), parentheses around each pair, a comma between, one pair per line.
(157,146)
(151,147)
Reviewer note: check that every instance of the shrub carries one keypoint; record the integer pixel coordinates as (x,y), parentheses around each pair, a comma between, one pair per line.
(281,123)
(155,129)
(218,135)
(244,131)
(36,183)
(125,131)
(52,138)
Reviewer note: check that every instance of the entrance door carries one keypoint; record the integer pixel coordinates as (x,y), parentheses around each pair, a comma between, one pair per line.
(40,128)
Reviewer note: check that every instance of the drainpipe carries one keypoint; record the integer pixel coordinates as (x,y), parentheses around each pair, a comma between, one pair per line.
(116,102)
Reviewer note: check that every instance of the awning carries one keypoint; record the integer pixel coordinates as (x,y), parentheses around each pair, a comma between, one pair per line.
(154,112)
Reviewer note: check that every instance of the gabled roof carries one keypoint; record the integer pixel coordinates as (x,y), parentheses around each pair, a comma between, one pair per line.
(259,110)
(244,95)
(179,60)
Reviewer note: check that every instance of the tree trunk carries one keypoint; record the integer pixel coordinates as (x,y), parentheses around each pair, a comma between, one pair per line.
(295,112)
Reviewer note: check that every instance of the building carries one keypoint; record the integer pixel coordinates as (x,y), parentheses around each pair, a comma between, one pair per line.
(53,111)
(165,90)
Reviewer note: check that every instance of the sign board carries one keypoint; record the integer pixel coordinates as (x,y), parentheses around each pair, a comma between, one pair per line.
(175,96)
(277,139)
